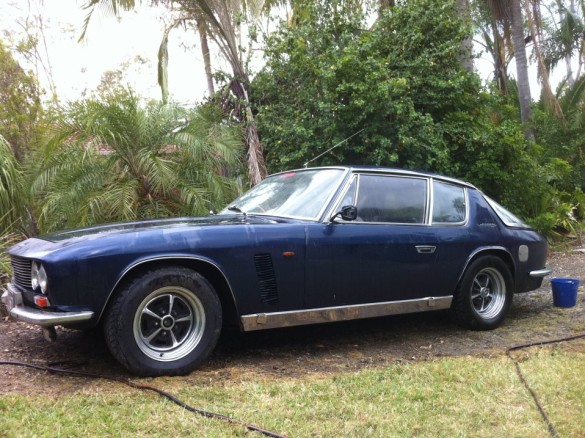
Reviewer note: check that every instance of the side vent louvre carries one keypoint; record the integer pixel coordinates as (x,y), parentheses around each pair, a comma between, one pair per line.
(266,279)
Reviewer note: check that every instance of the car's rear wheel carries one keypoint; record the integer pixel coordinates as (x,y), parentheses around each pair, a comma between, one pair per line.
(164,322)
(484,295)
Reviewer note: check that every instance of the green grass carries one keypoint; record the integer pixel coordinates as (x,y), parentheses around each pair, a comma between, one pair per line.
(479,397)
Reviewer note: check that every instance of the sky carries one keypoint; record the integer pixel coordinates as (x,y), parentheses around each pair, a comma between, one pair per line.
(110,42)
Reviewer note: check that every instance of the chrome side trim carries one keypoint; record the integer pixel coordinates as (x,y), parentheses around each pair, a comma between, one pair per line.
(541,272)
(263,321)
(12,298)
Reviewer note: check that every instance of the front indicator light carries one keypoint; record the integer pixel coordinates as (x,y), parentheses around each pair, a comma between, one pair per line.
(41,301)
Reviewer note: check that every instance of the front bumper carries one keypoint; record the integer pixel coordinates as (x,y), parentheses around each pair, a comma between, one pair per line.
(12,299)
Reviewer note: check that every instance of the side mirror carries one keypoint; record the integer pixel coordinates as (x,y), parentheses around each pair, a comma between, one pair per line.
(347,213)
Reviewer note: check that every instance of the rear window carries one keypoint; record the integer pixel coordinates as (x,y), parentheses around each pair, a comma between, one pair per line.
(505,216)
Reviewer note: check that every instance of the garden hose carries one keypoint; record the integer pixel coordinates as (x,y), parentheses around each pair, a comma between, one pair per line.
(544,415)
(165,394)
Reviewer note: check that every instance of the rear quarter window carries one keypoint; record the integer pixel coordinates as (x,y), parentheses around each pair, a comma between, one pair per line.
(449,203)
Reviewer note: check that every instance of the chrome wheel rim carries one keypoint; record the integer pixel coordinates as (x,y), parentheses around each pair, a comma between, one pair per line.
(488,293)
(169,323)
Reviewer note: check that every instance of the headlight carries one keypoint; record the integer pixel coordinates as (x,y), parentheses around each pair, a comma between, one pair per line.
(38,277)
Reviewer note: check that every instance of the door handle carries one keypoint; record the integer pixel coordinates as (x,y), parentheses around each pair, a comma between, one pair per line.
(425,249)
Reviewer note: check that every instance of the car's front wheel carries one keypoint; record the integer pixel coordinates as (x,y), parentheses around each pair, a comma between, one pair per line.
(484,295)
(164,322)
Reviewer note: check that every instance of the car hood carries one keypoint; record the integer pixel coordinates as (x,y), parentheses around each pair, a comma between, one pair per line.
(36,247)
(137,226)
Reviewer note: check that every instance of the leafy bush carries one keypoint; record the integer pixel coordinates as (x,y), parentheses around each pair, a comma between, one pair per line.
(11,188)
(329,77)
(562,215)
(400,81)
(111,159)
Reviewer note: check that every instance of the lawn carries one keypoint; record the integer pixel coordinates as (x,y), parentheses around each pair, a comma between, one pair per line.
(463,396)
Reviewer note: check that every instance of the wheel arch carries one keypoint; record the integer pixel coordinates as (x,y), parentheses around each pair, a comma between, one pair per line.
(497,251)
(209,270)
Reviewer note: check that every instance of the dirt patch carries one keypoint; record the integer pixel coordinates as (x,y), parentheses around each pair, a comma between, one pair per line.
(299,351)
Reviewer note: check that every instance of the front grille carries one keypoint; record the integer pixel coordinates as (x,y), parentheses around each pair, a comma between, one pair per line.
(21,272)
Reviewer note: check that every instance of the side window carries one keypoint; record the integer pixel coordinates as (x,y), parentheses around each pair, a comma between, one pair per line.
(448,203)
(392,199)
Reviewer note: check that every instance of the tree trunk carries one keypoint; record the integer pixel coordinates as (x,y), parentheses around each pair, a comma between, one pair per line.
(568,60)
(550,100)
(383,5)
(256,164)
(206,56)
(524,96)
(466,52)
(221,18)
(500,69)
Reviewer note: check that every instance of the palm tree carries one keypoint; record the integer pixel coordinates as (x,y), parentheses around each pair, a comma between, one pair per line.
(11,188)
(566,40)
(112,160)
(508,14)
(494,25)
(186,19)
(219,19)
(549,97)
(524,96)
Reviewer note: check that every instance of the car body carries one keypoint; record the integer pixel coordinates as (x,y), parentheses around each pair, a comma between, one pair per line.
(304,246)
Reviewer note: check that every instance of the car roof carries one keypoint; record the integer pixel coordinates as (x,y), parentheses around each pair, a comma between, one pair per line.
(396,171)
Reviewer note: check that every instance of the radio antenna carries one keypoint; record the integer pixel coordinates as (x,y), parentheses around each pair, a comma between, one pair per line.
(333,147)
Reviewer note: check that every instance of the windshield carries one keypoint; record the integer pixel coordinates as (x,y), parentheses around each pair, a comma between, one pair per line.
(300,194)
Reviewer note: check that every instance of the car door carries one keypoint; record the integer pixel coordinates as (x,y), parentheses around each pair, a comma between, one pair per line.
(387,254)
(450,219)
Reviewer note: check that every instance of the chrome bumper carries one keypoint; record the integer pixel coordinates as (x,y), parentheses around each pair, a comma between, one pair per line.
(12,299)
(541,272)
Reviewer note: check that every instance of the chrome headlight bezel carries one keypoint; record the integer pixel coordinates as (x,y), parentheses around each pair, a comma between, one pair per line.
(39,277)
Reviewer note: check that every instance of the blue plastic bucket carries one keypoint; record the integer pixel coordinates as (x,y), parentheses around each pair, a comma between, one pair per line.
(564,291)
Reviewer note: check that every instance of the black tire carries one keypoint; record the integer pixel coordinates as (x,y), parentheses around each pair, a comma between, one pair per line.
(484,295)
(164,322)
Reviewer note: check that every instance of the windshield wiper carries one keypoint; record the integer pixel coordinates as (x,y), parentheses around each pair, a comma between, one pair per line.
(236,209)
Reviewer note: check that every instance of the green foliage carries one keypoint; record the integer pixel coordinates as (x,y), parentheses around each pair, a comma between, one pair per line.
(19,104)
(11,188)
(401,80)
(562,208)
(7,239)
(329,77)
(11,205)
(494,155)
(111,159)
(565,142)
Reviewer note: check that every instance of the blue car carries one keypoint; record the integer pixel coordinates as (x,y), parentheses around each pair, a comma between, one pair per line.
(302,247)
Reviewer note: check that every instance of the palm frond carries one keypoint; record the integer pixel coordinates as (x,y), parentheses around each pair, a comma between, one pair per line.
(113,160)
(12,196)
(573,104)
(108,7)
